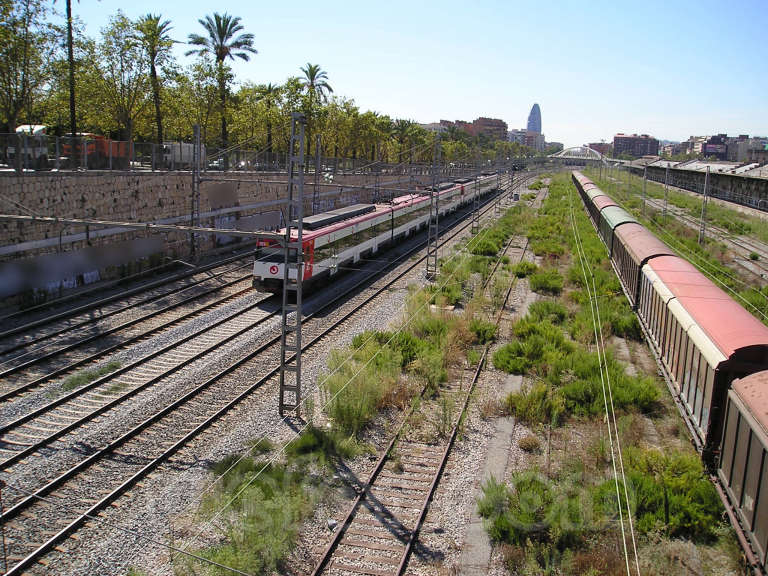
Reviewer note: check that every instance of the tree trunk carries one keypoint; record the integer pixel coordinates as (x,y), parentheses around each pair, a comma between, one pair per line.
(71,60)
(269,143)
(223,98)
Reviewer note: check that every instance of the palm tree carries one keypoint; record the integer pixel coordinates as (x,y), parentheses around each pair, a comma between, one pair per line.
(222,43)
(315,82)
(154,38)
(268,93)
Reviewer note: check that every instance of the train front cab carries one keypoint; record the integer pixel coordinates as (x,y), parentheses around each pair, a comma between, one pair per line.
(742,465)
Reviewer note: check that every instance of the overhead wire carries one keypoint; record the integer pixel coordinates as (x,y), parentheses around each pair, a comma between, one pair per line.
(706,267)
(603,366)
(297,432)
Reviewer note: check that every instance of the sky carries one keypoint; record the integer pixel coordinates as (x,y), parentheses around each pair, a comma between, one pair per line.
(671,69)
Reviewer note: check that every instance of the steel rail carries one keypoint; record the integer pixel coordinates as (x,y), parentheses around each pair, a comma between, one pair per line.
(327,555)
(96,355)
(106,300)
(110,448)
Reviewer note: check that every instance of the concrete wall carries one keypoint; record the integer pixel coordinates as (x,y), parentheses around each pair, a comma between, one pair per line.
(244,201)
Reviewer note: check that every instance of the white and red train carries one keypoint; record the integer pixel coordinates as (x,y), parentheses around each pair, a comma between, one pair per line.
(714,354)
(339,237)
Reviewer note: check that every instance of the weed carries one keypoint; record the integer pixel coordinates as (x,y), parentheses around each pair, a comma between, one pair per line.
(484,331)
(547,281)
(754,256)
(89,375)
(473,356)
(524,268)
(529,443)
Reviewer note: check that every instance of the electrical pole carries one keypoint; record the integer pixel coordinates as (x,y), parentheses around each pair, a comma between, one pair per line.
(476,207)
(645,182)
(293,272)
(316,190)
(432,226)
(703,224)
(195,212)
(666,192)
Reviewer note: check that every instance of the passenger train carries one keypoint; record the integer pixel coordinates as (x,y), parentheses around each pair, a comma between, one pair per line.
(713,352)
(339,237)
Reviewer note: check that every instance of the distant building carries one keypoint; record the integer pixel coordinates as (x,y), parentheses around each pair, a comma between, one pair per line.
(516,135)
(758,155)
(493,127)
(634,145)
(738,149)
(435,127)
(694,145)
(603,147)
(534,140)
(534,119)
(716,146)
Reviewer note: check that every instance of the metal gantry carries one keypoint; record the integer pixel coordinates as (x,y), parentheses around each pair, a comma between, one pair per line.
(316,189)
(434,204)
(293,272)
(476,207)
(703,222)
(195,212)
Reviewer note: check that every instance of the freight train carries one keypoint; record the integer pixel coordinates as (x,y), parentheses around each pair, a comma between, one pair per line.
(339,237)
(714,355)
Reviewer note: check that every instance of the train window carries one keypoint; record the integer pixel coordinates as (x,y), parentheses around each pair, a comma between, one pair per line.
(740,453)
(729,440)
(752,482)
(761,512)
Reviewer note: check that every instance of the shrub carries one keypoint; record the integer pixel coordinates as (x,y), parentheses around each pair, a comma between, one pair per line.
(538,404)
(355,388)
(529,443)
(670,492)
(485,247)
(547,310)
(268,503)
(484,331)
(524,268)
(547,281)
(532,511)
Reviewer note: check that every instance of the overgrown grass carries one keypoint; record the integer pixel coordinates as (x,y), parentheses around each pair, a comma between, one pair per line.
(87,376)
(547,281)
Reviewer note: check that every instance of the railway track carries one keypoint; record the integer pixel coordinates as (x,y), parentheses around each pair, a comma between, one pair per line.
(35,336)
(382,525)
(744,247)
(19,321)
(41,516)
(31,373)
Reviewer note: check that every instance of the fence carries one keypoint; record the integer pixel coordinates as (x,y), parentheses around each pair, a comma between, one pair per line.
(34,152)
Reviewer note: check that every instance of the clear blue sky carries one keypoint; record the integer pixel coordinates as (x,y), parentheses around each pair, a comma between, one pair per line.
(670,69)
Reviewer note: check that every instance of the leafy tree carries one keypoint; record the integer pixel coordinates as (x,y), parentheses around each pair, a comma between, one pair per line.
(153,35)
(223,43)
(269,95)
(24,41)
(122,68)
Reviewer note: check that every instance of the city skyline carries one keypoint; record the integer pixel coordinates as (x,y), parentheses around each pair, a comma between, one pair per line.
(592,86)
